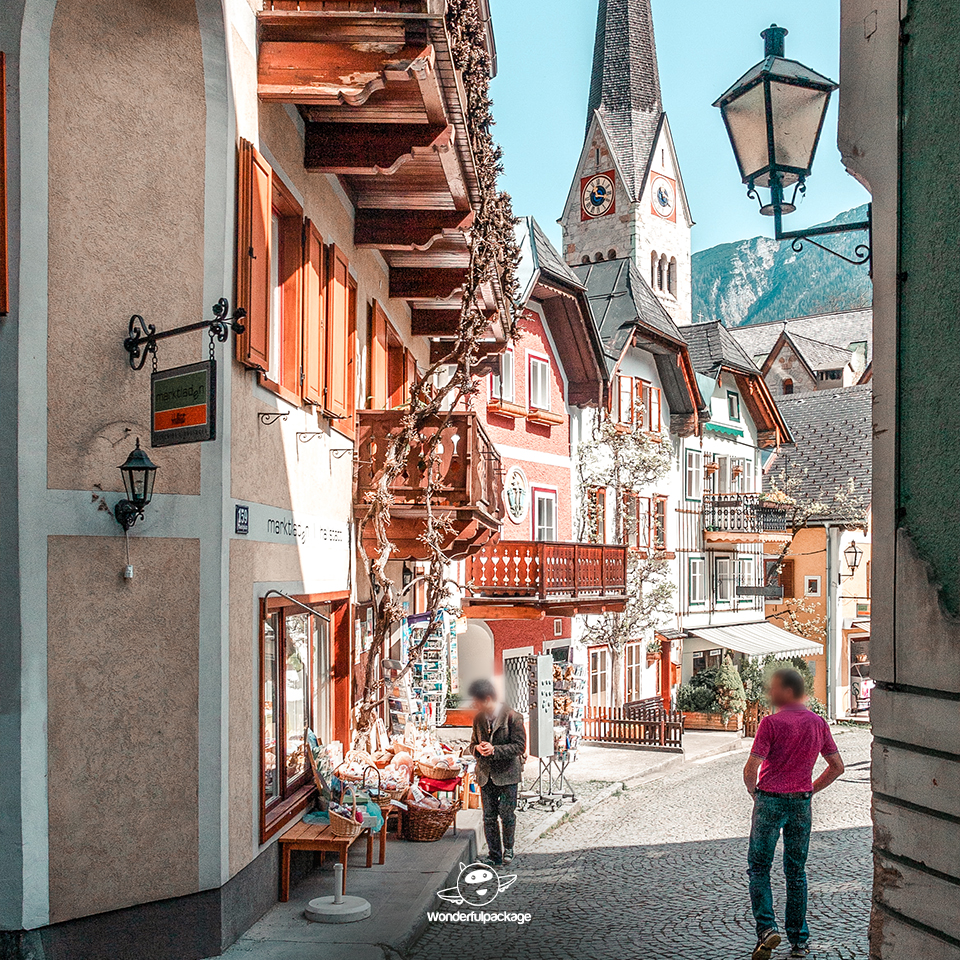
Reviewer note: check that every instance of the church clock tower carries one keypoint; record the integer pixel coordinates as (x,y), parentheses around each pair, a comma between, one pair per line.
(627,199)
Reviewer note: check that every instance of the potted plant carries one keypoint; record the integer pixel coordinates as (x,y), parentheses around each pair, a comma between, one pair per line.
(654,651)
(713,699)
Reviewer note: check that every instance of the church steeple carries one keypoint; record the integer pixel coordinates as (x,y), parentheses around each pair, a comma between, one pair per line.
(625,86)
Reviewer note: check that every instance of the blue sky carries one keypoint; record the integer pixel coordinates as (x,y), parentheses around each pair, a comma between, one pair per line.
(545,49)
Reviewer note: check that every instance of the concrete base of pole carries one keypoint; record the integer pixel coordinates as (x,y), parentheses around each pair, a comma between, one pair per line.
(327,910)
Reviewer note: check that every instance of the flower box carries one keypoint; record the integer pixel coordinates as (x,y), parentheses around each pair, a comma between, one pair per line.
(712,721)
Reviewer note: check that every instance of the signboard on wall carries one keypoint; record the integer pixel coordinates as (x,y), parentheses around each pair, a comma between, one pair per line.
(183,404)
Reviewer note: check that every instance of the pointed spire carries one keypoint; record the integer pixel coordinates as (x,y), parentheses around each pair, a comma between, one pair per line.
(625,87)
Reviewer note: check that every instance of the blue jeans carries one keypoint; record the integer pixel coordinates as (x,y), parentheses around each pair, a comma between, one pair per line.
(772,815)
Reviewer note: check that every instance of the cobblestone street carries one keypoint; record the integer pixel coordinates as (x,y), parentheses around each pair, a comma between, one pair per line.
(659,873)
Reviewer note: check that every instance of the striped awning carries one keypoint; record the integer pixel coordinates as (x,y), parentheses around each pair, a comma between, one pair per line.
(758,640)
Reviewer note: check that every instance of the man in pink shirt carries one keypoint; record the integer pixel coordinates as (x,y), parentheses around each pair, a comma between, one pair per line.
(784,754)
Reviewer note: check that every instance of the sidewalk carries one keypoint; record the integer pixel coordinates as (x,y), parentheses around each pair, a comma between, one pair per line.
(400,894)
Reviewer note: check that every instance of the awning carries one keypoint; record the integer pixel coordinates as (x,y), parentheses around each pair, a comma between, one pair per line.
(724,431)
(758,640)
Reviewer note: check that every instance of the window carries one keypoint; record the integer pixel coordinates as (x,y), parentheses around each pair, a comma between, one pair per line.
(747,569)
(502,387)
(724,475)
(733,406)
(544,516)
(827,375)
(599,694)
(539,388)
(748,477)
(392,367)
(697,580)
(558,627)
(597,515)
(781,573)
(634,657)
(639,404)
(811,586)
(694,480)
(672,277)
(300,327)
(659,530)
(654,266)
(788,388)
(296,694)
(662,273)
(611,254)
(725,579)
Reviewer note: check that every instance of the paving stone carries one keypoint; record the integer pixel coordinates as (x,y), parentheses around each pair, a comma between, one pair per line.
(659,873)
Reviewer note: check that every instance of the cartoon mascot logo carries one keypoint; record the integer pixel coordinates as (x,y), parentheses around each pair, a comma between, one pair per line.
(477,886)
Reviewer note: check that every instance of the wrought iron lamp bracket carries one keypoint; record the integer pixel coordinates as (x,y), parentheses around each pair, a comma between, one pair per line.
(142,337)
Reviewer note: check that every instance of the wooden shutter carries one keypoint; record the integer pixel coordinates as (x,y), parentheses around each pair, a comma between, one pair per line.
(656,410)
(788,579)
(411,365)
(314,315)
(379,350)
(338,334)
(4,270)
(254,215)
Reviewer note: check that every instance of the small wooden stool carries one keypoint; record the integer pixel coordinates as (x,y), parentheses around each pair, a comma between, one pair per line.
(320,838)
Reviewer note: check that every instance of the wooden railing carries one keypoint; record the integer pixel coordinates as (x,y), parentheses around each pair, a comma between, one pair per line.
(643,724)
(523,569)
(467,474)
(743,513)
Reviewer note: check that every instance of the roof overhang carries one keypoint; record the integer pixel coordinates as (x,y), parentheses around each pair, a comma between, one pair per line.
(758,640)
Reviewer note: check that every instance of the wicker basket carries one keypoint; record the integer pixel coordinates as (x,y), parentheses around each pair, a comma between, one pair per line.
(384,797)
(426,825)
(360,757)
(431,772)
(342,826)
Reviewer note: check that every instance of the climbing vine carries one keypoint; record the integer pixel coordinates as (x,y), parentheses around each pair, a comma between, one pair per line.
(451,381)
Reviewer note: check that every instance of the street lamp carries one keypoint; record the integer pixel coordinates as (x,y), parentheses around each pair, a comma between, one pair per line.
(139,473)
(774,115)
(853,555)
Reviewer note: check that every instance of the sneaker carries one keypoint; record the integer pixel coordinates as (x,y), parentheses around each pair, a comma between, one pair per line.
(508,857)
(800,950)
(766,944)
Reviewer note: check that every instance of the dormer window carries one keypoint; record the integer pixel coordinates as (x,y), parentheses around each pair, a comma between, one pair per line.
(733,406)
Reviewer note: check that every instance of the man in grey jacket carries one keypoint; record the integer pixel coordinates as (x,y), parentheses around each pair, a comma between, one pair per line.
(499,743)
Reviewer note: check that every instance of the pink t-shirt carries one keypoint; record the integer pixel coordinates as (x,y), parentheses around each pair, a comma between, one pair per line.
(789,742)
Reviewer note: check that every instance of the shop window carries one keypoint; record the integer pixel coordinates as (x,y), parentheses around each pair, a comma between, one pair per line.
(599,694)
(296,694)
(694,475)
(697,586)
(634,662)
(539,387)
(544,516)
(502,386)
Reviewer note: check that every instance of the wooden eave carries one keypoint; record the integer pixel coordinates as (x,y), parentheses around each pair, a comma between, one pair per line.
(772,428)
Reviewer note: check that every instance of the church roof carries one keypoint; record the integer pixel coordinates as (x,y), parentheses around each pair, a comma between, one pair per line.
(625,87)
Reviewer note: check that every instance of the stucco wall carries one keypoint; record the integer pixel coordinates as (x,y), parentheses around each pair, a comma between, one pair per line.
(126,226)
(123,729)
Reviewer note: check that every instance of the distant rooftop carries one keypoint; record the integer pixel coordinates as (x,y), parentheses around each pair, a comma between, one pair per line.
(712,346)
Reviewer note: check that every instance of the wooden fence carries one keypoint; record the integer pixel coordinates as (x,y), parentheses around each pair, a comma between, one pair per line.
(642,724)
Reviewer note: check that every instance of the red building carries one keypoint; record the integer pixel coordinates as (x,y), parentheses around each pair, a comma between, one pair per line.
(524,587)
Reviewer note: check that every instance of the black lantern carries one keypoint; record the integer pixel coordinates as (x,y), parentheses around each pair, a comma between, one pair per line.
(853,555)
(139,473)
(774,116)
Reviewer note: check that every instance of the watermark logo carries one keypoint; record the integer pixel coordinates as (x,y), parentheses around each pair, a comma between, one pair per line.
(477,886)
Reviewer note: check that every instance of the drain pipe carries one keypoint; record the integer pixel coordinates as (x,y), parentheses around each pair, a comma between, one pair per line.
(830,600)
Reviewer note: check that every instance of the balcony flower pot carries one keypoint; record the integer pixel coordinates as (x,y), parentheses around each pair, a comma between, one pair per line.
(652,658)
(712,721)
(711,468)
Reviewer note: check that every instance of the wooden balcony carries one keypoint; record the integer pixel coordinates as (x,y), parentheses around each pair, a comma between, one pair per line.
(469,491)
(745,518)
(384,109)
(531,578)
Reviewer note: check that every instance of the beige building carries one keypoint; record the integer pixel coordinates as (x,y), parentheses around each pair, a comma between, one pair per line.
(154,689)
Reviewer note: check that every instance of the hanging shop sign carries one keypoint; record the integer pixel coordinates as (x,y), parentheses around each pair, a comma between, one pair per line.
(184,404)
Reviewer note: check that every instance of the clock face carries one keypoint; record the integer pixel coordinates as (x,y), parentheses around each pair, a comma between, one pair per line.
(663,197)
(597,196)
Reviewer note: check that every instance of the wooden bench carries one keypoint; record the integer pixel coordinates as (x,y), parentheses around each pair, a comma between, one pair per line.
(320,838)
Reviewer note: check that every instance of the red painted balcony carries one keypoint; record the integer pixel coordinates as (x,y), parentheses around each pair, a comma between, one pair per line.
(468,491)
(562,578)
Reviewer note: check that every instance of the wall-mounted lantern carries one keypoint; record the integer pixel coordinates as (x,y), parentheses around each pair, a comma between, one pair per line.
(853,555)
(774,116)
(139,473)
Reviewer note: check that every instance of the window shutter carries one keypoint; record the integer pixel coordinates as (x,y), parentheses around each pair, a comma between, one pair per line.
(411,364)
(254,215)
(379,356)
(314,317)
(787,577)
(338,334)
(656,411)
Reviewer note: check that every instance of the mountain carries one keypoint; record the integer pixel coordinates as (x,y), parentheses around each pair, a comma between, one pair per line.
(758,280)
